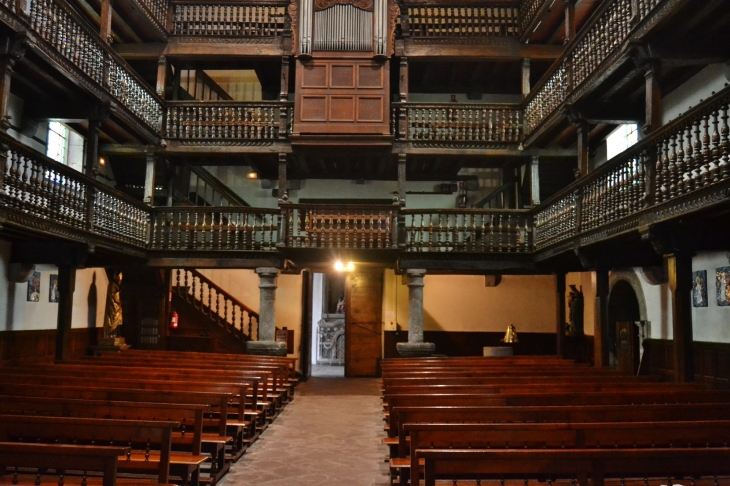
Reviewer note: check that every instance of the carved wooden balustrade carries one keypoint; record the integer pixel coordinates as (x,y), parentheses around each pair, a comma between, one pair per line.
(605,33)
(214,229)
(369,227)
(682,167)
(468,230)
(222,308)
(230,19)
(529,12)
(66,34)
(58,198)
(159,10)
(461,21)
(452,122)
(227,120)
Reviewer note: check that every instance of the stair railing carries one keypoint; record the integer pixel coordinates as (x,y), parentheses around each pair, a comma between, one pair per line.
(222,308)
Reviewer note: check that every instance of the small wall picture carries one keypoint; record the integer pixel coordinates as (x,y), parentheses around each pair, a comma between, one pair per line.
(53,294)
(699,288)
(723,286)
(34,287)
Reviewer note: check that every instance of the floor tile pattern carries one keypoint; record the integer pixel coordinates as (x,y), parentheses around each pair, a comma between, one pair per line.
(330,434)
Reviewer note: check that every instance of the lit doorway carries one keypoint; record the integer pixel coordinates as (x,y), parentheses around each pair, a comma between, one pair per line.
(328,325)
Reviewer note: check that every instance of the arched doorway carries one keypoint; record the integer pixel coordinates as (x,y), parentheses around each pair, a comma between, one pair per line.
(623,334)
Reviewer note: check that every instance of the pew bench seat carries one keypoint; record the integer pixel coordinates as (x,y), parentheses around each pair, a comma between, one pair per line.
(52,480)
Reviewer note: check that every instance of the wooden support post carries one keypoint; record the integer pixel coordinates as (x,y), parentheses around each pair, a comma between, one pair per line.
(679,267)
(162,76)
(569,21)
(403,80)
(149,179)
(525,77)
(12,50)
(535,181)
(582,147)
(402,179)
(653,91)
(284,97)
(282,177)
(560,317)
(66,287)
(92,148)
(600,323)
(105,20)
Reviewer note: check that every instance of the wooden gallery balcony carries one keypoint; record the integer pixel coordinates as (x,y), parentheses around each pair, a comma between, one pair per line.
(68,42)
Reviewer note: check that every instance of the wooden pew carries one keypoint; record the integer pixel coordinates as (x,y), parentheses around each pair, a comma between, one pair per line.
(154,436)
(598,464)
(576,436)
(102,459)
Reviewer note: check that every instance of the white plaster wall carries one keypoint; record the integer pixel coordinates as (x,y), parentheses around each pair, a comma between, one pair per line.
(658,307)
(711,323)
(711,79)
(464,303)
(317,290)
(17,314)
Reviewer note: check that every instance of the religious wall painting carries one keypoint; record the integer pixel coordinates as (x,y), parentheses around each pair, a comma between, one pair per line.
(34,287)
(699,288)
(723,286)
(53,295)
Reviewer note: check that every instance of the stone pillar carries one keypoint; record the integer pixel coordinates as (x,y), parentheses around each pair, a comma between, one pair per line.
(415,347)
(266,345)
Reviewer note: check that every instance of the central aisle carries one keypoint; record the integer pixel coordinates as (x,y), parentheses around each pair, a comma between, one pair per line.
(330,434)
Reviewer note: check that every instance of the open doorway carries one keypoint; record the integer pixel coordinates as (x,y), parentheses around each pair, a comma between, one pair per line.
(328,325)
(624,317)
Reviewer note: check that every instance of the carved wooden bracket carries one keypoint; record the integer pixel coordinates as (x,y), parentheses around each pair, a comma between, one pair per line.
(361,4)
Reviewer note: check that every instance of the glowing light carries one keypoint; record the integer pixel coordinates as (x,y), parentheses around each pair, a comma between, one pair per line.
(350,266)
(339,266)
(102,161)
(252,175)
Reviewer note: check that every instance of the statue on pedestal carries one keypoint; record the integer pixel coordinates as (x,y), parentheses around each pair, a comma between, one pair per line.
(575,315)
(111,341)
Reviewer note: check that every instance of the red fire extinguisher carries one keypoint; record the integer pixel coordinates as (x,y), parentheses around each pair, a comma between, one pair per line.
(173,320)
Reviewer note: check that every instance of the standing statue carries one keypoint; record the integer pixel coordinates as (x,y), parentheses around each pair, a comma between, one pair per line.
(575,316)
(113,312)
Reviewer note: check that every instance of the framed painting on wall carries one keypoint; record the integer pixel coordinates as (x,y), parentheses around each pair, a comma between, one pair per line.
(699,288)
(34,287)
(723,286)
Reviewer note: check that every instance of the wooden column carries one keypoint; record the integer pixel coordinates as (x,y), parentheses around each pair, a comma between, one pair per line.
(402,178)
(653,101)
(525,77)
(679,267)
(535,181)
(105,20)
(66,287)
(582,146)
(569,21)
(92,148)
(12,50)
(284,97)
(600,323)
(161,76)
(403,80)
(149,179)
(282,176)
(560,315)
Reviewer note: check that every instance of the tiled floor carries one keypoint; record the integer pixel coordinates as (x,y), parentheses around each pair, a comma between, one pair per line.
(330,434)
(328,371)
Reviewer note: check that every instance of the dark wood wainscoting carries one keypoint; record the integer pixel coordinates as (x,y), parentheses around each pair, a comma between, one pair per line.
(471,343)
(712,362)
(25,346)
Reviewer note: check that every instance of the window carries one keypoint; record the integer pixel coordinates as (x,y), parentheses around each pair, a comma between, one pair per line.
(620,139)
(57,147)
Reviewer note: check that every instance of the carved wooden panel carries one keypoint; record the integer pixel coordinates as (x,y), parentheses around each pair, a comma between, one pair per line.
(342,96)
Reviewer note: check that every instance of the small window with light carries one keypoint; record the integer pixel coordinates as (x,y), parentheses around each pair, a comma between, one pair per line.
(621,139)
(57,147)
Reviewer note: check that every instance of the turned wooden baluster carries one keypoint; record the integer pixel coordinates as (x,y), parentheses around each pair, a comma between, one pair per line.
(724,145)
(706,152)
(716,150)
(672,168)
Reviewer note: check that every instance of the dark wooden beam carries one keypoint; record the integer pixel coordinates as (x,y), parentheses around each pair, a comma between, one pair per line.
(600,323)
(66,287)
(582,146)
(653,102)
(509,50)
(679,267)
(560,317)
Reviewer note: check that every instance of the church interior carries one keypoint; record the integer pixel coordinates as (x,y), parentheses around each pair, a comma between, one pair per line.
(499,229)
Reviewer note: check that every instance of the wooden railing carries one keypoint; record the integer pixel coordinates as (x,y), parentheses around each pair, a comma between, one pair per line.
(227,120)
(529,11)
(222,308)
(462,21)
(340,226)
(468,230)
(685,158)
(605,32)
(452,122)
(71,36)
(214,229)
(158,9)
(230,19)
(204,189)
(39,187)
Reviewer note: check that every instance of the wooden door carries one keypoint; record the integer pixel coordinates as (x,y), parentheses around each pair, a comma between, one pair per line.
(627,347)
(363,325)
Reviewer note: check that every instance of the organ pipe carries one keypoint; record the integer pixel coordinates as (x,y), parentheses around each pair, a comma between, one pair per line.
(342,28)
